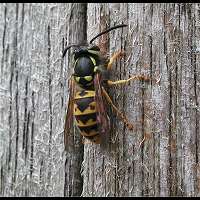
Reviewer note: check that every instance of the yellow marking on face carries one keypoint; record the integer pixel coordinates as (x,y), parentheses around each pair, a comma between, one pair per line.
(88,78)
(77,79)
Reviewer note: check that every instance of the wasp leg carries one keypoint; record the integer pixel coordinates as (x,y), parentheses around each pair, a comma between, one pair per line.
(119,113)
(114,57)
(139,77)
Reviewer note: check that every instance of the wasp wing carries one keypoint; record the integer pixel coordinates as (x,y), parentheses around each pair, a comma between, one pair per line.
(68,127)
(102,117)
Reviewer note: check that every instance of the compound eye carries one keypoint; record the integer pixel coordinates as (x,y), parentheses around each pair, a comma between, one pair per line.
(93,61)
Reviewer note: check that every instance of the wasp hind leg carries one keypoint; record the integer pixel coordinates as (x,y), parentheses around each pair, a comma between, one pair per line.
(119,113)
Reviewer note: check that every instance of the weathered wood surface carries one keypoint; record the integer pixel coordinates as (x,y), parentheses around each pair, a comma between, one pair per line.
(161,40)
(33,98)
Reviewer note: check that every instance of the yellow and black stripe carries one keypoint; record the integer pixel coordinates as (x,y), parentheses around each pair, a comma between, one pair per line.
(85,114)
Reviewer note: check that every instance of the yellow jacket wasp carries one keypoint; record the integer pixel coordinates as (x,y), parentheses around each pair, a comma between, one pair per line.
(87,94)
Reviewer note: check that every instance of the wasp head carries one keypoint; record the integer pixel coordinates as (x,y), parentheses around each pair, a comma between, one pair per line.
(85,51)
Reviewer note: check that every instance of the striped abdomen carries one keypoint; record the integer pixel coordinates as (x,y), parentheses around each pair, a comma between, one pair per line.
(85,115)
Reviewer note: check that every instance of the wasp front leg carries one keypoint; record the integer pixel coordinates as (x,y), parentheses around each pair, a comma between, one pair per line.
(116,55)
(119,113)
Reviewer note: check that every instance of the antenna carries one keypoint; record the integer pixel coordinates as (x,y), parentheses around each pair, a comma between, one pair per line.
(108,30)
(68,47)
